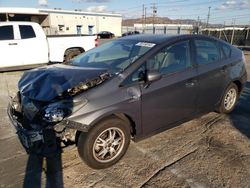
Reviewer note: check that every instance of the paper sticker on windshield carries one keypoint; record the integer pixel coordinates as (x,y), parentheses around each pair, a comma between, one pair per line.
(145,44)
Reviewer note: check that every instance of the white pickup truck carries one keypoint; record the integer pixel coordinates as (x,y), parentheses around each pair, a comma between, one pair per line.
(25,45)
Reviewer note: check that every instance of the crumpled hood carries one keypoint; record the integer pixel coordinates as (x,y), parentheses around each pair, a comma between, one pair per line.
(45,83)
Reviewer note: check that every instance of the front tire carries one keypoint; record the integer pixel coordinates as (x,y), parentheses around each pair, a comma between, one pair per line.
(105,144)
(229,99)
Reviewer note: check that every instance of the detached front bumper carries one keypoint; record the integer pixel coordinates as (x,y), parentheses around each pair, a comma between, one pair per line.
(42,142)
(27,137)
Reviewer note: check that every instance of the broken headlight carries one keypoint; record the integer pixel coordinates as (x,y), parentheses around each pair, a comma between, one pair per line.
(53,114)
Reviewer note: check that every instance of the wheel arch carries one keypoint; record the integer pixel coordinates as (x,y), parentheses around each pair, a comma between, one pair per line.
(125,117)
(68,50)
(239,85)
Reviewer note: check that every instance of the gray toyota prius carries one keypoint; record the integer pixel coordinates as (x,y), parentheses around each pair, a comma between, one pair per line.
(129,88)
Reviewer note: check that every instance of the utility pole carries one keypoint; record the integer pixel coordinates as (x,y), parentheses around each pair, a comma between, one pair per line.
(198,21)
(232,38)
(208,16)
(248,28)
(154,8)
(143,18)
(7,17)
(198,25)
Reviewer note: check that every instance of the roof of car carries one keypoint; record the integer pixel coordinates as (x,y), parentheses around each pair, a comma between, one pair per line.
(158,39)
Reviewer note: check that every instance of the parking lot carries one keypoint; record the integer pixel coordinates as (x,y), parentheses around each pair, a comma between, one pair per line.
(209,151)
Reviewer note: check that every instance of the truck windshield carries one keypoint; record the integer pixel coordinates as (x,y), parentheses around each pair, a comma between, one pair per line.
(116,56)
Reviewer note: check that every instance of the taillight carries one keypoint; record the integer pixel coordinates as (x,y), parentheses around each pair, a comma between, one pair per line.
(96,42)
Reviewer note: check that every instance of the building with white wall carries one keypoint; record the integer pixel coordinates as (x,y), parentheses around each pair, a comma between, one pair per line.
(164,28)
(64,22)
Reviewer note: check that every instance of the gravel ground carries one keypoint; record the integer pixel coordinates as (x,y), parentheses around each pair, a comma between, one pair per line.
(209,151)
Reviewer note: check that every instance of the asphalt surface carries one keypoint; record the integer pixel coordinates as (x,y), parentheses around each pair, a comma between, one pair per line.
(209,151)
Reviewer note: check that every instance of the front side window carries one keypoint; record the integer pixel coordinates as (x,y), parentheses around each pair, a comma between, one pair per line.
(171,59)
(115,56)
(26,32)
(206,52)
(6,32)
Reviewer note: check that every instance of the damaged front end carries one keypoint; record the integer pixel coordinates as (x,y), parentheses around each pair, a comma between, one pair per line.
(87,85)
(30,135)
(41,122)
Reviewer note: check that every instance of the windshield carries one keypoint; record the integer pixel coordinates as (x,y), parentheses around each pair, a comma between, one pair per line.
(116,56)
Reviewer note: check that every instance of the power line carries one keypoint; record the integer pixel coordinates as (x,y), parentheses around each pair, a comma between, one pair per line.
(234,16)
(190,4)
(143,15)
(170,5)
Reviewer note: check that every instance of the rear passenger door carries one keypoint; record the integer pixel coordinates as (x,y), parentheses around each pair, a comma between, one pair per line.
(173,97)
(212,74)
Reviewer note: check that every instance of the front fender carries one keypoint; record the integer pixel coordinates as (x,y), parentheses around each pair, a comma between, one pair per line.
(85,122)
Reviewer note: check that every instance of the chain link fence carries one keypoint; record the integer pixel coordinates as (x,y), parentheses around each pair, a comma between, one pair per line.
(173,30)
(235,36)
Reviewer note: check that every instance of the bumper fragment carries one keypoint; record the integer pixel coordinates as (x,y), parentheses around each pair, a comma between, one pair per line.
(42,142)
(74,125)
(27,137)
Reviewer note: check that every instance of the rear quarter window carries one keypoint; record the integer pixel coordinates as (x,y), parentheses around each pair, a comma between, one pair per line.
(6,32)
(27,32)
(206,51)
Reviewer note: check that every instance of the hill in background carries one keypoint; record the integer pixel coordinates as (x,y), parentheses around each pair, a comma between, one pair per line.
(165,20)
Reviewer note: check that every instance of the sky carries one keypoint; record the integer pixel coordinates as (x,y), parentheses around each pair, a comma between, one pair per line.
(221,11)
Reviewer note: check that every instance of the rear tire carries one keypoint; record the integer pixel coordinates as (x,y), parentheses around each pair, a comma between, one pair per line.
(71,55)
(105,144)
(229,99)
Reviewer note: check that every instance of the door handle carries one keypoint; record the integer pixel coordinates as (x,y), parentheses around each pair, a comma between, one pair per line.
(12,44)
(134,97)
(191,83)
(223,69)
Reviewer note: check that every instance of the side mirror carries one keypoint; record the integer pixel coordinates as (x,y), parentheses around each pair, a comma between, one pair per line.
(153,76)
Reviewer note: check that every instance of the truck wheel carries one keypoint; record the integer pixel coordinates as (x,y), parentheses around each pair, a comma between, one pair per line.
(229,99)
(71,55)
(105,144)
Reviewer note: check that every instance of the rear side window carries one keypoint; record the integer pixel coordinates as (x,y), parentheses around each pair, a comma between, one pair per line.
(6,32)
(26,32)
(206,52)
(227,50)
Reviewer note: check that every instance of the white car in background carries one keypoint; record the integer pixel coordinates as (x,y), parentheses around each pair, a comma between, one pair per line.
(25,45)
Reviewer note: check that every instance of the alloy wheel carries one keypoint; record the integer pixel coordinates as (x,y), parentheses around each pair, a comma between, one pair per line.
(230,99)
(108,145)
